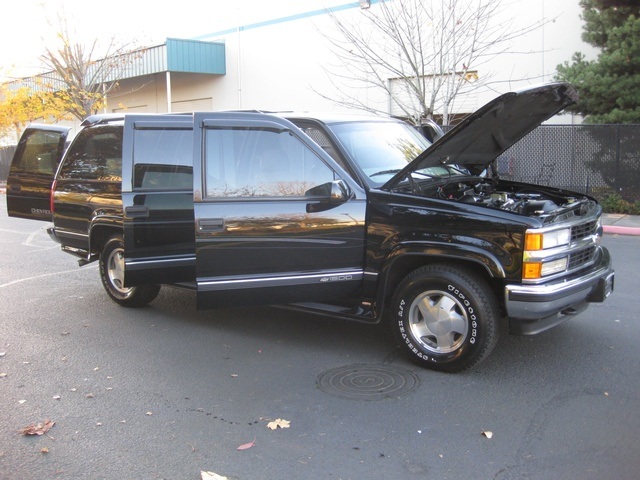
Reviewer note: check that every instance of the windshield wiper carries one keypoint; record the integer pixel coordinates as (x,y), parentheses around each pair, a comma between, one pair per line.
(385,172)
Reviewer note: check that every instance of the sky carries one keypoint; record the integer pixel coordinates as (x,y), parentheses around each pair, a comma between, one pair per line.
(28,26)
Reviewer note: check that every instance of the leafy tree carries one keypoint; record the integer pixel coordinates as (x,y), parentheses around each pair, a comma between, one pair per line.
(20,107)
(609,86)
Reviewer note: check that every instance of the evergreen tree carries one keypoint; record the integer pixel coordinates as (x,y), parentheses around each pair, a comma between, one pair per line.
(609,87)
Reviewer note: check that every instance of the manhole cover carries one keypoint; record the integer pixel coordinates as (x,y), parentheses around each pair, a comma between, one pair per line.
(367,382)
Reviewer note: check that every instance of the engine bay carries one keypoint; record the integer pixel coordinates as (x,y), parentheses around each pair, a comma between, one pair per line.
(511,197)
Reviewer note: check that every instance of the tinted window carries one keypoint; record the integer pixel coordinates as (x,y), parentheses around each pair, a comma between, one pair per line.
(244,162)
(96,154)
(162,159)
(39,153)
(380,148)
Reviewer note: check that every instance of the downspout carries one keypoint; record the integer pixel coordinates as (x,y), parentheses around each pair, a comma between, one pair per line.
(168,75)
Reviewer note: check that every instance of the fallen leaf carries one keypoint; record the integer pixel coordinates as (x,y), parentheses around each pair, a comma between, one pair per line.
(278,423)
(487,434)
(246,446)
(39,429)
(212,476)
(44,450)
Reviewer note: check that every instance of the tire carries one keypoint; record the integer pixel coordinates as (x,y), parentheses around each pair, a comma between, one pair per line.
(112,276)
(445,318)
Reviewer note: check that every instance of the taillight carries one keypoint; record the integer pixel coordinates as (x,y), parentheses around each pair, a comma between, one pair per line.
(53,188)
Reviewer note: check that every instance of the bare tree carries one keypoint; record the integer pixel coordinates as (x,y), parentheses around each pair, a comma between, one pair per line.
(78,77)
(423,54)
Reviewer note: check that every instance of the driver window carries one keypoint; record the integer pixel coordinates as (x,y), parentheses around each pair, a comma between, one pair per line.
(260,163)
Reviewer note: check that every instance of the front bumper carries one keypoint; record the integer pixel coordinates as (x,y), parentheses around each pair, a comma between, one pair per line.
(534,308)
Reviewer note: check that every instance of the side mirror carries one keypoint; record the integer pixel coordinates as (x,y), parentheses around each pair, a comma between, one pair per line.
(339,192)
(431,130)
(328,195)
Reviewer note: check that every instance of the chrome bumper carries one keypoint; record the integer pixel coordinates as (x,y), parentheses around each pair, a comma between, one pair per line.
(535,308)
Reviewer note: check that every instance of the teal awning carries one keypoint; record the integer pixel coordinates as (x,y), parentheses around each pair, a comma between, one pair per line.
(175,55)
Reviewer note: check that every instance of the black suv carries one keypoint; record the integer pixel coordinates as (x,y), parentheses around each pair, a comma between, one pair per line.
(356,217)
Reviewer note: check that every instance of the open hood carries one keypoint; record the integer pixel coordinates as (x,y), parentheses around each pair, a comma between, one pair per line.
(485,134)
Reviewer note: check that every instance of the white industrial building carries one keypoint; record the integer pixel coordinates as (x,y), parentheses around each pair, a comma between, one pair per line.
(280,61)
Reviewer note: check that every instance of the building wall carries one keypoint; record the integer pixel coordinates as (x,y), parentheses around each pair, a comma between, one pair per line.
(278,60)
(280,64)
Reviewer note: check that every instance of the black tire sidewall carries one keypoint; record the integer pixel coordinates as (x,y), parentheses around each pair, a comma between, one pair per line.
(482,327)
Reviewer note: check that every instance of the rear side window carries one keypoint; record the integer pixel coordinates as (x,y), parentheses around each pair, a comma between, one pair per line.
(96,154)
(41,152)
(162,159)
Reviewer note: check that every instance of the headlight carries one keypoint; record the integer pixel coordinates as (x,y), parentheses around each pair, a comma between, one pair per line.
(534,270)
(534,265)
(542,241)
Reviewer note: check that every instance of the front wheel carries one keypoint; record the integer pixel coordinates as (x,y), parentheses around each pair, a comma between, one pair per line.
(112,276)
(445,318)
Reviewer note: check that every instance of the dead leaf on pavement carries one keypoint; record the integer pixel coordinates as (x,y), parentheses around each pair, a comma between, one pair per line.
(39,429)
(211,476)
(246,446)
(278,423)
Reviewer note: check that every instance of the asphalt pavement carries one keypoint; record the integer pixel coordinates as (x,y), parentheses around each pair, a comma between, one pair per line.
(169,391)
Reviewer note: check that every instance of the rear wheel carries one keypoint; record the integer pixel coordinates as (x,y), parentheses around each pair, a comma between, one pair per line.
(112,276)
(445,318)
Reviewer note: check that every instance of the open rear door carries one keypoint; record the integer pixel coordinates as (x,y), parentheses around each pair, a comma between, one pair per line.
(32,171)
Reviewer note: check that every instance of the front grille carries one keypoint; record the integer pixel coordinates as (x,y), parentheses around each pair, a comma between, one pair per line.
(583,230)
(580,258)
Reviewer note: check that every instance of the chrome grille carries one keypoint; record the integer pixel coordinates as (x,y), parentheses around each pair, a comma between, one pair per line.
(583,230)
(580,258)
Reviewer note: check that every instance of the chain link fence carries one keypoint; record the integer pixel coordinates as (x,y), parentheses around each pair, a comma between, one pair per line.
(595,159)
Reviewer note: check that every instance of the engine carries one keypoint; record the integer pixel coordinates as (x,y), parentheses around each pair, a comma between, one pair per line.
(524,202)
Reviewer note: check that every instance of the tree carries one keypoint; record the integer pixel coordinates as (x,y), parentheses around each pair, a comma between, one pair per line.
(422,54)
(20,107)
(80,79)
(608,87)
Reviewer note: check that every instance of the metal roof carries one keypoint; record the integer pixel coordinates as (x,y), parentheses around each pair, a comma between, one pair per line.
(175,55)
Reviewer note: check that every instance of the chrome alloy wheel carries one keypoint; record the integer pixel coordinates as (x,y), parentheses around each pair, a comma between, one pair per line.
(438,321)
(115,271)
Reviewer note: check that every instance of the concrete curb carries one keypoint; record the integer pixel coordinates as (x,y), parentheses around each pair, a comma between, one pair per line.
(621,230)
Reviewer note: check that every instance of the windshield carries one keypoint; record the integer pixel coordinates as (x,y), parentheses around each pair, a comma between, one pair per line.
(382,149)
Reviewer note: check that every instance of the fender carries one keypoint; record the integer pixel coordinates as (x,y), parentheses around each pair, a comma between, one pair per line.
(101,227)
(407,256)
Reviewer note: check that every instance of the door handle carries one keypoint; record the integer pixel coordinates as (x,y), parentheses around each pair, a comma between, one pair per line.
(136,211)
(210,225)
